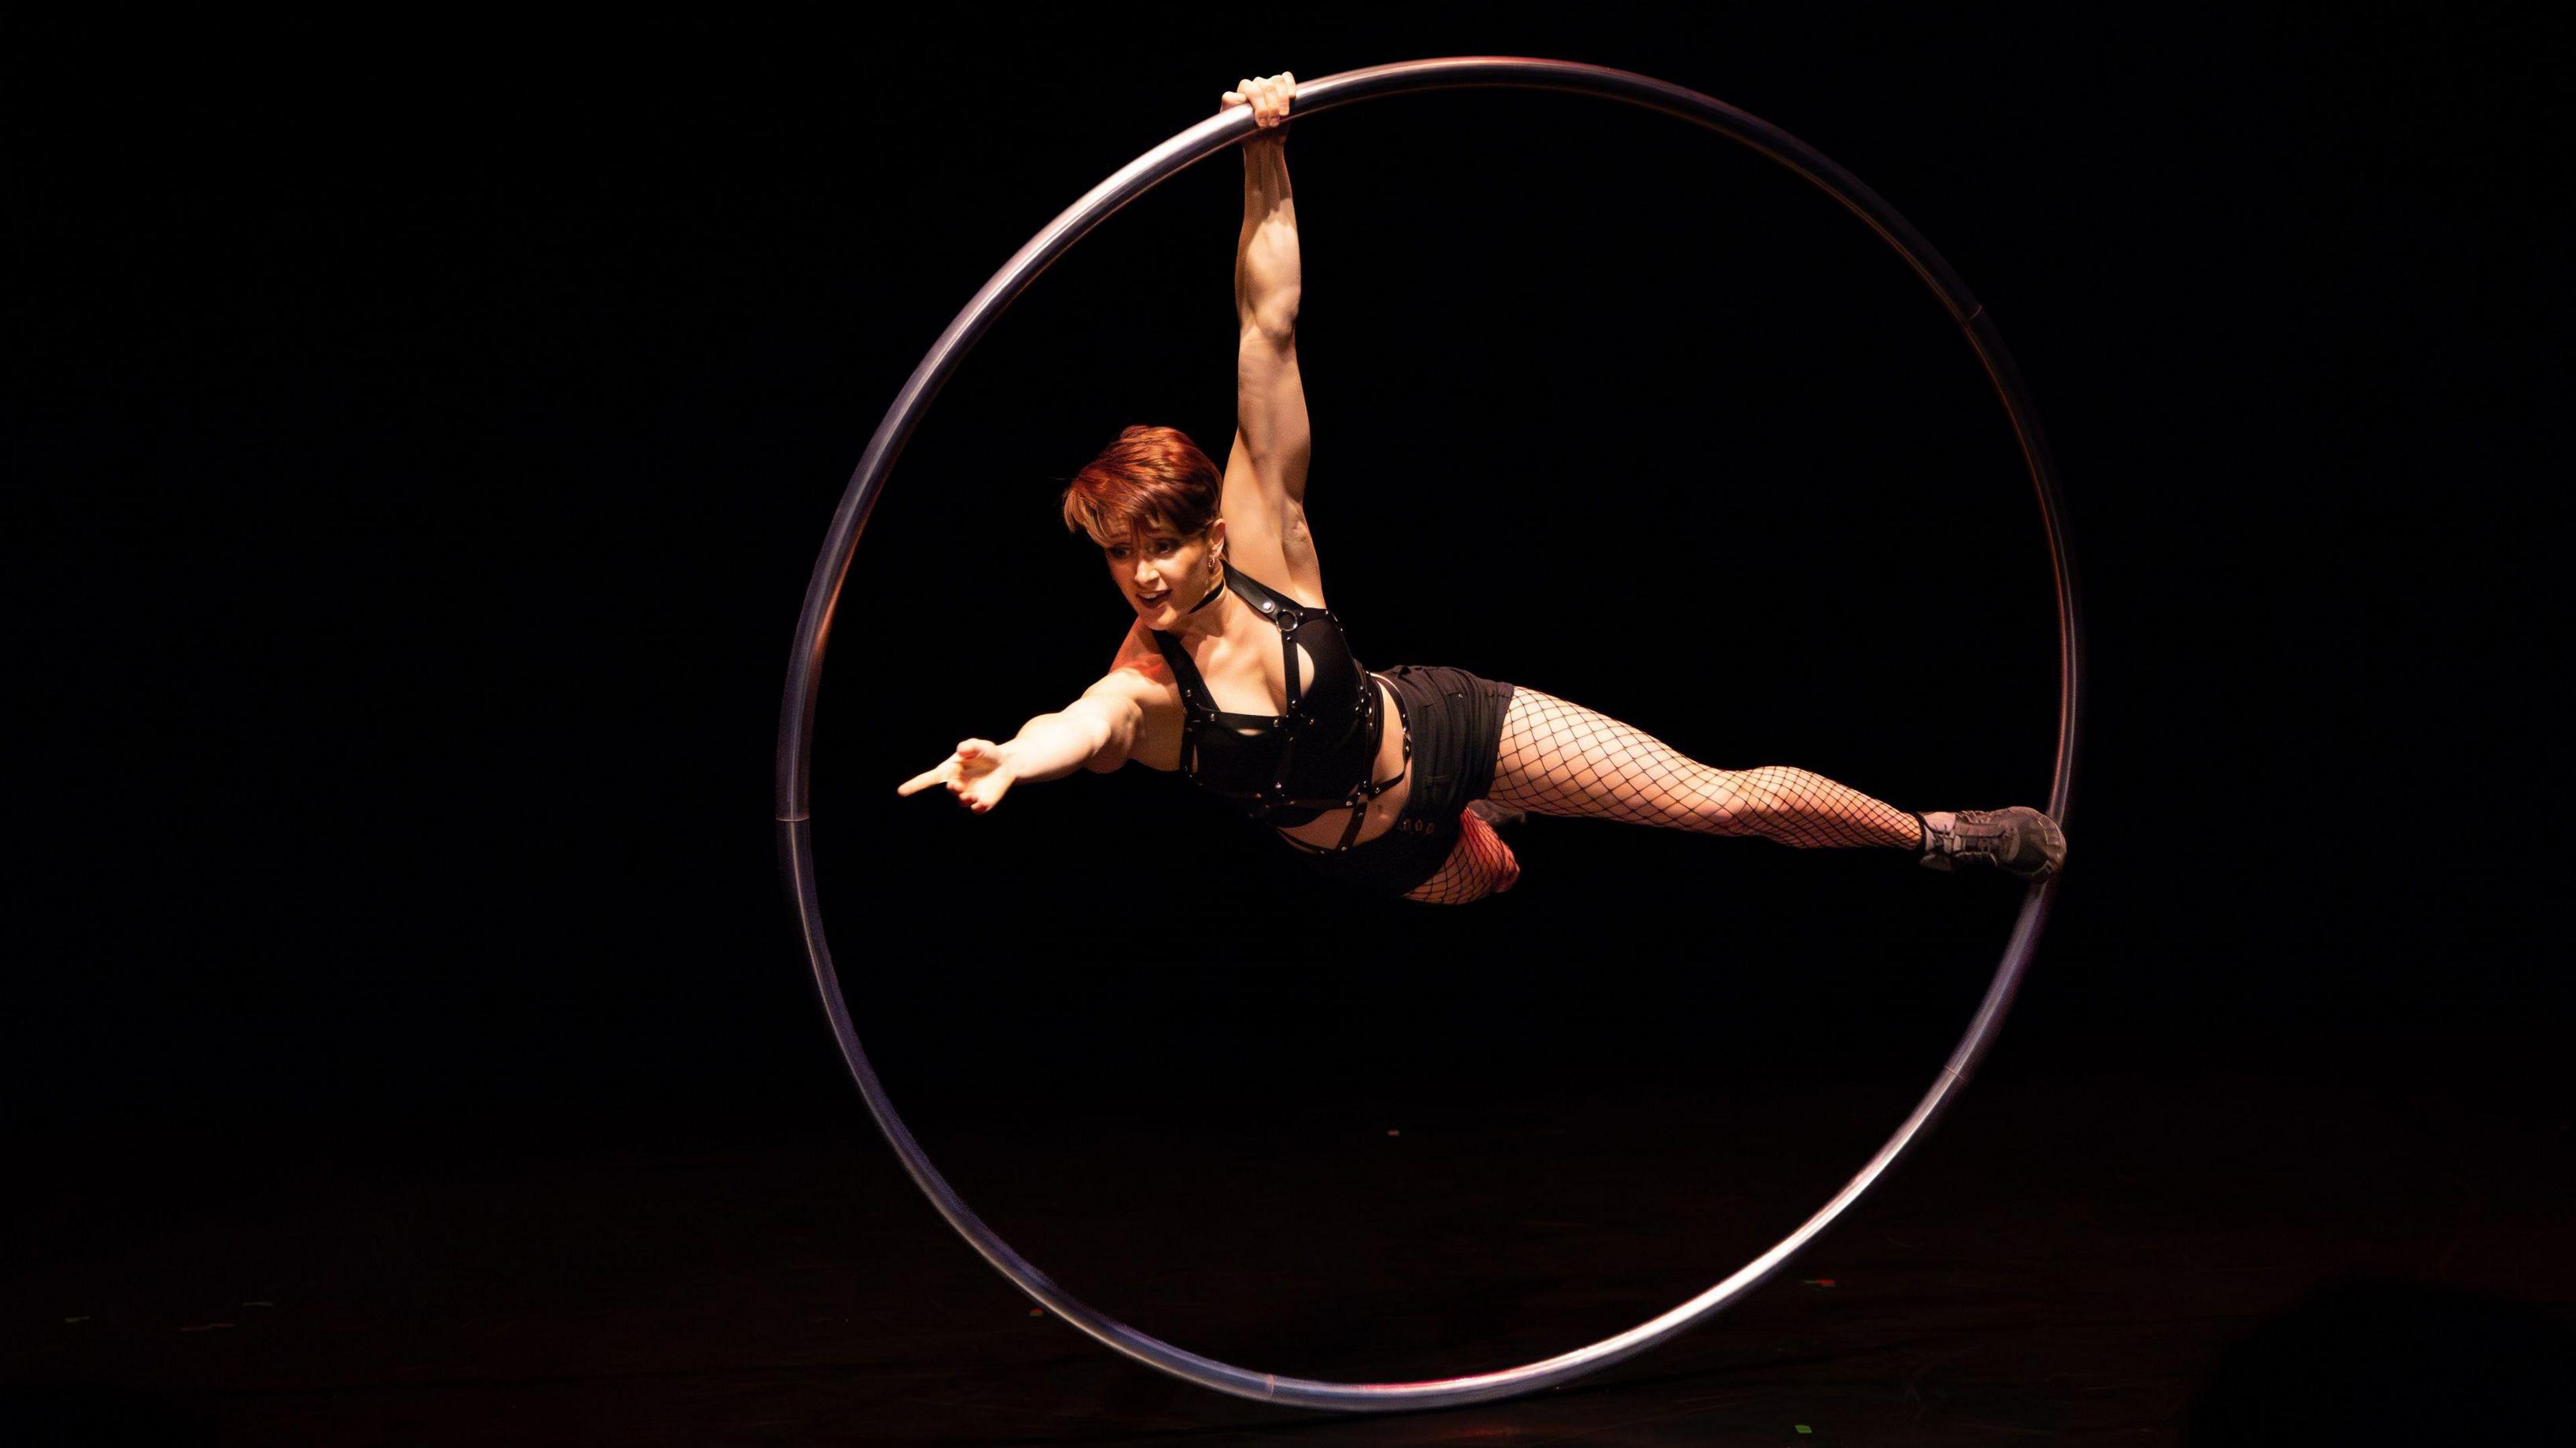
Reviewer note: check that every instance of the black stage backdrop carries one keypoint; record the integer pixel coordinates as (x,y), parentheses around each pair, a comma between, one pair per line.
(420,445)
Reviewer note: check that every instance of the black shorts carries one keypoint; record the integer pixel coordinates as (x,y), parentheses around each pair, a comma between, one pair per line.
(1456,720)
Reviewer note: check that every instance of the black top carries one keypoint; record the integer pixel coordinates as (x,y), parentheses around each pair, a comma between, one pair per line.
(1285,769)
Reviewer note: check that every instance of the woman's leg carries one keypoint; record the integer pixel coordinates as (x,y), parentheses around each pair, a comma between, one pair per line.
(1480,864)
(1563,759)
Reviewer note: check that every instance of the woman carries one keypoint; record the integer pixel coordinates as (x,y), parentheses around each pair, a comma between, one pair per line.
(1235,670)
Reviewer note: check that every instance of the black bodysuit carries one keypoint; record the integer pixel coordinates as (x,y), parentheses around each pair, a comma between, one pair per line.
(1287,769)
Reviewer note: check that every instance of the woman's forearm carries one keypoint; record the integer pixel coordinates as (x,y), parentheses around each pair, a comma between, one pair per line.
(1052,746)
(1266,268)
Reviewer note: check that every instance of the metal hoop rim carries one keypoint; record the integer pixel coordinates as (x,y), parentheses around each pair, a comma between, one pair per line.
(831,569)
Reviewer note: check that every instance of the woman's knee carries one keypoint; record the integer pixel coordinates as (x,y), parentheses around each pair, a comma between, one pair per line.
(1479,864)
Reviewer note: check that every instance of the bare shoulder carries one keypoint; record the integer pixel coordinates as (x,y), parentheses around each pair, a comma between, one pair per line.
(1137,654)
(1139,672)
(1140,679)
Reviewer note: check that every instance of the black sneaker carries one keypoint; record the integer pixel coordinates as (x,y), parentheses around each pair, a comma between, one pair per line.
(2018,841)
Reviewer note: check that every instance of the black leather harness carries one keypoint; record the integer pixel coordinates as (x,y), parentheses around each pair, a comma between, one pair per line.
(1275,795)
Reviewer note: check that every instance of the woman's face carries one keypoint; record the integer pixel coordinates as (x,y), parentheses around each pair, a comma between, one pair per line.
(1164,575)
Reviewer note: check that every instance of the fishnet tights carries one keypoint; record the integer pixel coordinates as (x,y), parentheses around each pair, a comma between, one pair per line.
(1563,759)
(1480,864)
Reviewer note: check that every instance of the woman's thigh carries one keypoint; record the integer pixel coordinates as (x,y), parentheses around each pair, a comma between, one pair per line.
(1560,758)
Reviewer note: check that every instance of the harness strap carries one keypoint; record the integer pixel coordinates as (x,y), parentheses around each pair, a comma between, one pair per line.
(1288,618)
(1366,790)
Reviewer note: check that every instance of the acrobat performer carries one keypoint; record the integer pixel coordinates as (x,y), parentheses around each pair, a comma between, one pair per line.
(1235,670)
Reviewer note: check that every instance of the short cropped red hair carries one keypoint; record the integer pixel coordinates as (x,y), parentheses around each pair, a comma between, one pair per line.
(1150,475)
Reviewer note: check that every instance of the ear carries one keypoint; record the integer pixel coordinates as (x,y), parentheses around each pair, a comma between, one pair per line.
(1216,538)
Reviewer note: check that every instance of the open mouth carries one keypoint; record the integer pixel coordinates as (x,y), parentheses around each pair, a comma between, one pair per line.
(1151,600)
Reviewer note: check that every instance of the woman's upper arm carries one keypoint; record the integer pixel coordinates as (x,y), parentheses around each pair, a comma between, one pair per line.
(1270,405)
(1265,479)
(1129,700)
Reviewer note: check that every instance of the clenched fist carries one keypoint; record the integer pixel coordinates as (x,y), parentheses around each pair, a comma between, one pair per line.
(1268,98)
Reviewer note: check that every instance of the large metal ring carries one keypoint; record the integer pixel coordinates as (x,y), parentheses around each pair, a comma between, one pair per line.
(813,627)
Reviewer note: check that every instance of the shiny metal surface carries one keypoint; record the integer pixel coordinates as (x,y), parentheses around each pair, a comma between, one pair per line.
(813,631)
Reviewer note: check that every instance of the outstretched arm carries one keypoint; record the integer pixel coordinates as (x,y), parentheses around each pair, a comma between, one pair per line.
(1094,731)
(1265,477)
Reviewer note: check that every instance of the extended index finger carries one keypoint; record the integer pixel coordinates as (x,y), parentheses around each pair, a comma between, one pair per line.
(922,781)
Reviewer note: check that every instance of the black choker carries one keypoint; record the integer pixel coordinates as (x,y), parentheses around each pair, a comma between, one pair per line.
(1212,595)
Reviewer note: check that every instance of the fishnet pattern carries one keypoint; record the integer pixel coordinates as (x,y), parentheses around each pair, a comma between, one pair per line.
(1480,864)
(1563,759)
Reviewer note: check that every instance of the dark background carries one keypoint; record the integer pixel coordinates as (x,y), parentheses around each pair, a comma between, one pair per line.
(423,460)
(420,452)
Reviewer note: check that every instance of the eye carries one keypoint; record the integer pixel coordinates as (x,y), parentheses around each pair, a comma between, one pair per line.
(1165,547)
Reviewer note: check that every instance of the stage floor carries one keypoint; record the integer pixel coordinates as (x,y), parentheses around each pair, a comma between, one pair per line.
(2073,1262)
